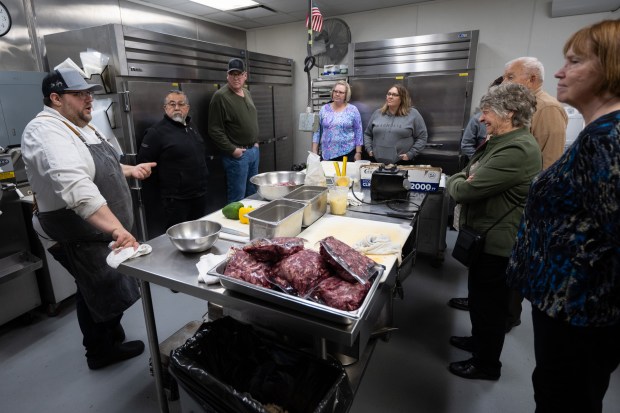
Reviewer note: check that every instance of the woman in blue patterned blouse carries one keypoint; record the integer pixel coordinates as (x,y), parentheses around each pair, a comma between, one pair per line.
(566,261)
(340,131)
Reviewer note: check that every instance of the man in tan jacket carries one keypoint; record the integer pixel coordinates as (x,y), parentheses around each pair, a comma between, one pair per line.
(548,127)
(550,119)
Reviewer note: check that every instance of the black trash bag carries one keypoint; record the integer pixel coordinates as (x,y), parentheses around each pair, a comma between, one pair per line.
(227,367)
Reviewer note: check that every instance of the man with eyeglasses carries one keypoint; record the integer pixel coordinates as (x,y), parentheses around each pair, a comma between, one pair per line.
(233,127)
(180,152)
(82,201)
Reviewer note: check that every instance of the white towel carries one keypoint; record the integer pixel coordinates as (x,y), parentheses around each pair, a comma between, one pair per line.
(352,200)
(205,263)
(379,244)
(116,257)
(234,238)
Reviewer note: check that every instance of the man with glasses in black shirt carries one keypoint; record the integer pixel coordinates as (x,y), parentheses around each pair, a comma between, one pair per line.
(180,152)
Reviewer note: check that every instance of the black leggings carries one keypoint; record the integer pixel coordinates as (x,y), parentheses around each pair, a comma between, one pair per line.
(488,308)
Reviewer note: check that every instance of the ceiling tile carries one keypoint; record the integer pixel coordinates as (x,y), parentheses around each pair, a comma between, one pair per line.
(279,18)
(224,17)
(248,24)
(253,13)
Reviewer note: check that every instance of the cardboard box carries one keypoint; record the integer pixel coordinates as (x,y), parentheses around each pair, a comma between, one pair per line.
(366,173)
(423,178)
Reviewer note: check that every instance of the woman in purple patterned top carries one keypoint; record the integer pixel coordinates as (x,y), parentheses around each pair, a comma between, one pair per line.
(340,128)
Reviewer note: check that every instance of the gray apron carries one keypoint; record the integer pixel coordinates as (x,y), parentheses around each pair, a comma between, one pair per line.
(106,292)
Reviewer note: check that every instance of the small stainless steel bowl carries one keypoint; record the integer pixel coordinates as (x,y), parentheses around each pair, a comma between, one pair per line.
(274,185)
(194,236)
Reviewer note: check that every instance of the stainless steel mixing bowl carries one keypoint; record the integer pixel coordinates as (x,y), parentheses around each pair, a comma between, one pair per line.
(194,236)
(274,185)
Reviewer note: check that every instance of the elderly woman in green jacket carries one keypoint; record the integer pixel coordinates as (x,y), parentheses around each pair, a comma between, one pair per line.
(494,183)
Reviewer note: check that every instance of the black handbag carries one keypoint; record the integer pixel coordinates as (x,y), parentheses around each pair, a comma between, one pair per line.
(470,242)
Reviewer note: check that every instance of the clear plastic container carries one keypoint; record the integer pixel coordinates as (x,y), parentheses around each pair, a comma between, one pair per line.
(338,199)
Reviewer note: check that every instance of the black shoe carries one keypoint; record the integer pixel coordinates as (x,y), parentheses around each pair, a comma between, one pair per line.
(118,334)
(511,325)
(459,303)
(118,353)
(468,370)
(464,343)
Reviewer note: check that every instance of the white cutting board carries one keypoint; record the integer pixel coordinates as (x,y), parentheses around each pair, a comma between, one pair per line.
(219,217)
(351,230)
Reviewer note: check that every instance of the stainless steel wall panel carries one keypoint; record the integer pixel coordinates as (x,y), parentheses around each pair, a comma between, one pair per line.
(16,46)
(23,48)
(152,19)
(148,18)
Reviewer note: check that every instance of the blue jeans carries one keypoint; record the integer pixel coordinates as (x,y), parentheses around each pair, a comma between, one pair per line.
(238,174)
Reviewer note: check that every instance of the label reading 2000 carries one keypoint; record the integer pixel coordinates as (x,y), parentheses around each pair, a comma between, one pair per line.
(423,187)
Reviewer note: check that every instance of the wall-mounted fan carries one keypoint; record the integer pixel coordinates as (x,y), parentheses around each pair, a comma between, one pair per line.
(331,45)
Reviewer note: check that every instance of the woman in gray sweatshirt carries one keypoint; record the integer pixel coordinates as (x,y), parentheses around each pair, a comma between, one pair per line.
(396,132)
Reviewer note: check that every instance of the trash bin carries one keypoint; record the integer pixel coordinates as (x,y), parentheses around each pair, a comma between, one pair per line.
(228,367)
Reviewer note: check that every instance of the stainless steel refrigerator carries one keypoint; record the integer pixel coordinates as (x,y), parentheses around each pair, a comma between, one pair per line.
(270,81)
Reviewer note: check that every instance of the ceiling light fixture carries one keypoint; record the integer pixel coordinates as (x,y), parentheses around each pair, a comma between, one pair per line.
(227,4)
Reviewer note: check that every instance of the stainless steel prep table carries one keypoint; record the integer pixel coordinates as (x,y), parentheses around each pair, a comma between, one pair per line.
(168,267)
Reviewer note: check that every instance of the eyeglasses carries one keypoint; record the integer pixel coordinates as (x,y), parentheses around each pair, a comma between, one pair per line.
(338,92)
(394,95)
(176,104)
(82,94)
(236,74)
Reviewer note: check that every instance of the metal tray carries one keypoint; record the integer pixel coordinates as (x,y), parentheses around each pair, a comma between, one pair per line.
(315,199)
(297,303)
(279,218)
(18,264)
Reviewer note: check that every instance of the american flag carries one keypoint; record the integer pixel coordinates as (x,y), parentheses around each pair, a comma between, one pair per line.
(317,19)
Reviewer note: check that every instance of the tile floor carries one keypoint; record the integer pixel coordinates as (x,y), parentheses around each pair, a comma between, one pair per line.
(42,368)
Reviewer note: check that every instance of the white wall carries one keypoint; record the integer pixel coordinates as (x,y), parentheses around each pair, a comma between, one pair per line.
(508,29)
